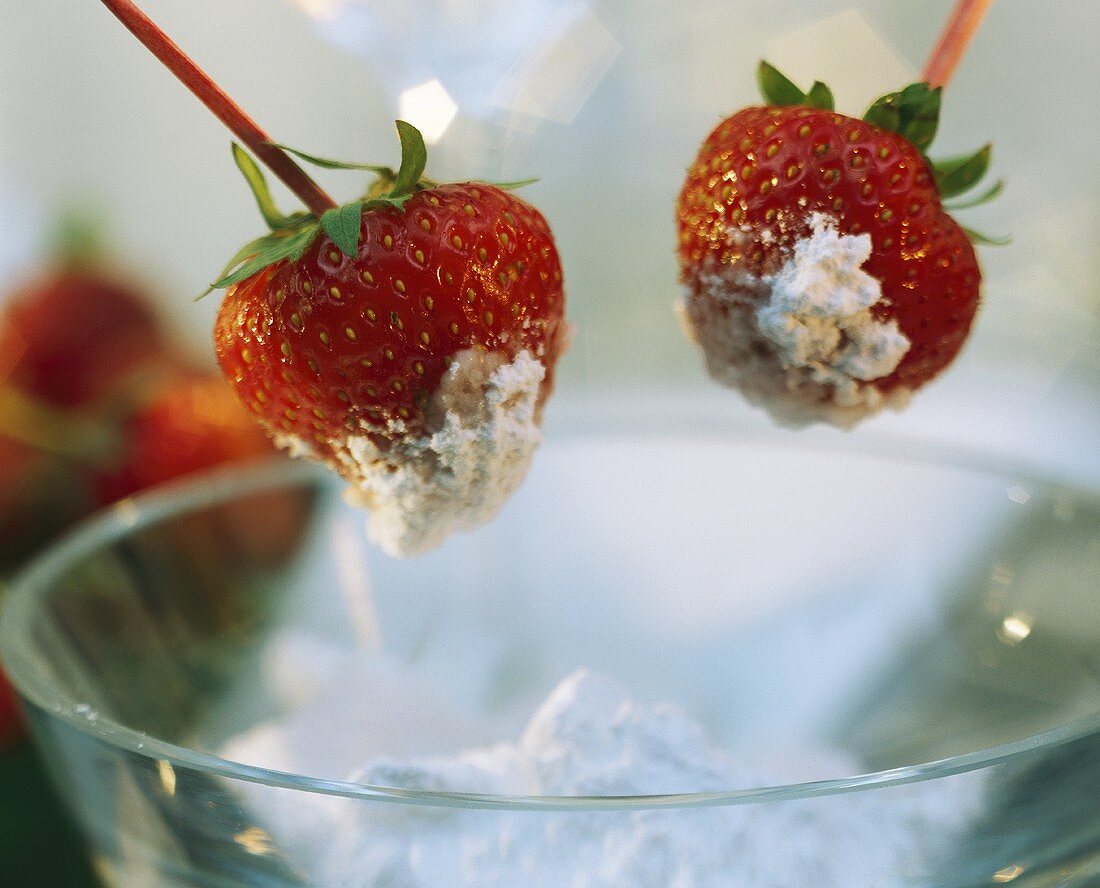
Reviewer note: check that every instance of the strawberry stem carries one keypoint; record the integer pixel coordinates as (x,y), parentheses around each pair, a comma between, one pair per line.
(954,39)
(223,107)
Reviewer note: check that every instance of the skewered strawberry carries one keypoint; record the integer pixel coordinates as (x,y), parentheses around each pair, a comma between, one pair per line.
(823,276)
(407,340)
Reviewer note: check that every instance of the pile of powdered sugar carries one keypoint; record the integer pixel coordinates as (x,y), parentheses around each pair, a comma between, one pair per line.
(590,738)
(802,342)
(422,490)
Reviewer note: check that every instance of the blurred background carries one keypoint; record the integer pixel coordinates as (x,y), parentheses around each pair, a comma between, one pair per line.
(606,101)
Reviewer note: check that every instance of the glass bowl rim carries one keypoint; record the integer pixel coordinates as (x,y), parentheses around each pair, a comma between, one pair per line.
(219,485)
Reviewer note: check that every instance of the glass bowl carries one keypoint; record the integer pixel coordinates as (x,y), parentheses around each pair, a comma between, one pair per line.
(896,645)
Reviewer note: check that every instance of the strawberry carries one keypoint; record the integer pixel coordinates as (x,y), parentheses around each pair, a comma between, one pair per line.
(407,340)
(76,334)
(823,276)
(191,422)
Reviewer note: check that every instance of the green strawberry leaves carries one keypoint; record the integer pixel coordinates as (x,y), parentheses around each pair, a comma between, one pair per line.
(957,175)
(395,188)
(392,188)
(781,91)
(289,238)
(327,164)
(776,87)
(342,224)
(414,157)
(292,235)
(258,183)
(985,240)
(820,97)
(989,194)
(290,243)
(512,186)
(913,113)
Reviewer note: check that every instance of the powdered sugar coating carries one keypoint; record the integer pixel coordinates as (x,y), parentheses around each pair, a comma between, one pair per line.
(294,446)
(801,342)
(819,315)
(421,490)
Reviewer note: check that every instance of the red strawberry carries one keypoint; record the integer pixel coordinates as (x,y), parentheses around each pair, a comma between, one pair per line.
(195,422)
(192,422)
(409,342)
(823,277)
(73,336)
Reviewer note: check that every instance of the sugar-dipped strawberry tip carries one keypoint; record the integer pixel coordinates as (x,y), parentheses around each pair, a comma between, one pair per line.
(823,276)
(406,339)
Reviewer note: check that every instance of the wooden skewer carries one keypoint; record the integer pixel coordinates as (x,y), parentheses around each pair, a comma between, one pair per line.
(954,39)
(223,107)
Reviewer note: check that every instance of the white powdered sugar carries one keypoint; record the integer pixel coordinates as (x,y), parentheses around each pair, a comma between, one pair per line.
(456,478)
(590,738)
(294,446)
(803,341)
(818,315)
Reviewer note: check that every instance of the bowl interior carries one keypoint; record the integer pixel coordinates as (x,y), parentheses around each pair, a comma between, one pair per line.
(895,609)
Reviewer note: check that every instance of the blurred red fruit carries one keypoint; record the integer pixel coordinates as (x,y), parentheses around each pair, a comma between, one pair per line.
(95,405)
(73,336)
(192,422)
